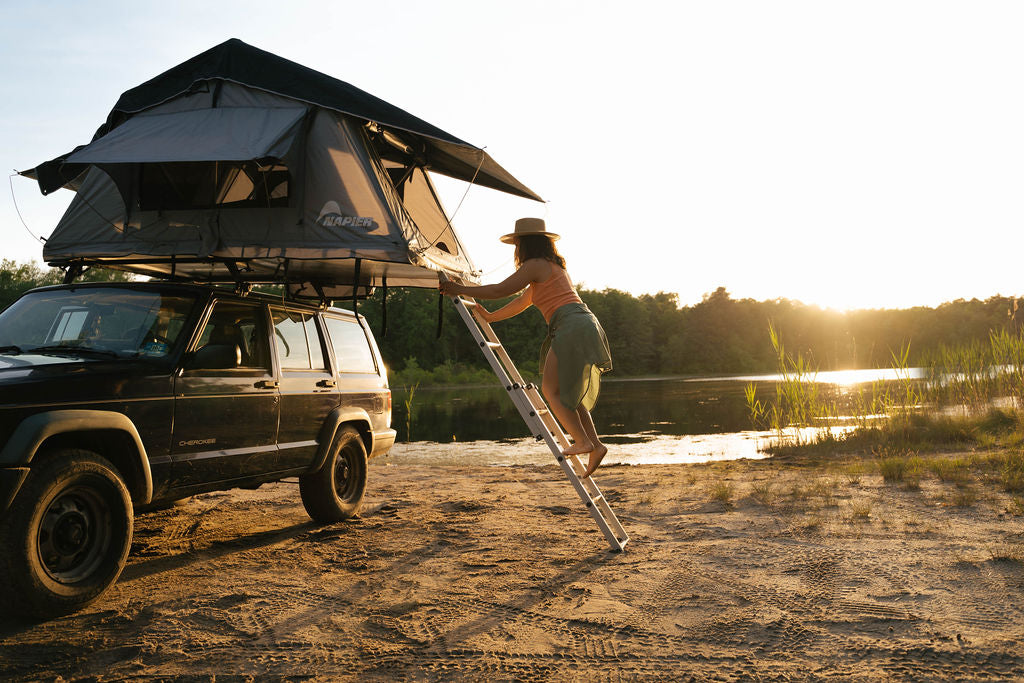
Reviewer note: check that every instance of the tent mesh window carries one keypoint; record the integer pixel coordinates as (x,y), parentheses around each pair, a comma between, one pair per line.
(208,185)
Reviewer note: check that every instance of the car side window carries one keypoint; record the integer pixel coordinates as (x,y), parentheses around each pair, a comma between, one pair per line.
(351,348)
(298,342)
(238,325)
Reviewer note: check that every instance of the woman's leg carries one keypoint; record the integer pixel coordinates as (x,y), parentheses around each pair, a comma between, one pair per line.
(570,419)
(599,449)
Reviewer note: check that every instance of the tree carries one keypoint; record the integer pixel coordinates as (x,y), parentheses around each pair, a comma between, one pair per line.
(18,278)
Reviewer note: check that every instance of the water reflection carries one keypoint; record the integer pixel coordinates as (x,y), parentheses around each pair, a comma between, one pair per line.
(647,420)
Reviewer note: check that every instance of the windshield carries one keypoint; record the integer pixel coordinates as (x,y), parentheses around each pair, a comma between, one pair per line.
(107,321)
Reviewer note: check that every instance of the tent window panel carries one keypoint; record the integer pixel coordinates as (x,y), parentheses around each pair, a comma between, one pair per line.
(424,207)
(236,190)
(208,185)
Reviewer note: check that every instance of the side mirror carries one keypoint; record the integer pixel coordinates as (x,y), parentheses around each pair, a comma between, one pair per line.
(215,357)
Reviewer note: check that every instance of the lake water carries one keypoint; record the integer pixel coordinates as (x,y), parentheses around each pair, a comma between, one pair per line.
(655,421)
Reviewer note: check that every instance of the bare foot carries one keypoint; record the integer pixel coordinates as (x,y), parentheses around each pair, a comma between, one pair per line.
(578,448)
(596,456)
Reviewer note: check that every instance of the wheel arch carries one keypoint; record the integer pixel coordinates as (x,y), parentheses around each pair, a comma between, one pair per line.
(357,418)
(110,434)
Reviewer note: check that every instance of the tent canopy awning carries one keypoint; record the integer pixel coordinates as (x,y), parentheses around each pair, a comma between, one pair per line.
(226,134)
(237,62)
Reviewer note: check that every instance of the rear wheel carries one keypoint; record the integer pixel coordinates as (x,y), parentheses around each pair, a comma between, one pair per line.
(66,536)
(335,491)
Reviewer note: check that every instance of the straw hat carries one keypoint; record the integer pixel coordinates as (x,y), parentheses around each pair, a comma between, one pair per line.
(528,226)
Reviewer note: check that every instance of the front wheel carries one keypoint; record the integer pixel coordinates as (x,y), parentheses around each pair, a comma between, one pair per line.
(334,492)
(67,535)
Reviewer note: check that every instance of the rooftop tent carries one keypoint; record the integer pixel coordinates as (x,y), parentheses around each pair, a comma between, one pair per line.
(238,165)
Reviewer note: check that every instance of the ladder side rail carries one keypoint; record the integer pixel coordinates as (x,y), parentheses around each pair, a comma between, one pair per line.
(527,411)
(587,488)
(491,336)
(531,390)
(538,418)
(534,407)
(598,508)
(485,334)
(588,484)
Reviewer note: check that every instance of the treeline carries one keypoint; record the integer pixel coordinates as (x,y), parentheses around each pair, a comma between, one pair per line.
(651,334)
(18,278)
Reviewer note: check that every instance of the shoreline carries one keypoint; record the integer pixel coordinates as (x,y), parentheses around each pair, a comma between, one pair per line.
(769,569)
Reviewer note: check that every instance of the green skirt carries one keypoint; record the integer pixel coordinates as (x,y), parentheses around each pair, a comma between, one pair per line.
(580,346)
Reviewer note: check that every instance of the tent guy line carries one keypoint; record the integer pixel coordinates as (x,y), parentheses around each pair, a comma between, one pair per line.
(14,201)
(458,206)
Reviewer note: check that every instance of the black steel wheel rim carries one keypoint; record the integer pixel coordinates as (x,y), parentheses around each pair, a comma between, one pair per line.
(345,473)
(74,534)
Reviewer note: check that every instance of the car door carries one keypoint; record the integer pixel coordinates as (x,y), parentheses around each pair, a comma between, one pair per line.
(308,388)
(226,405)
(361,384)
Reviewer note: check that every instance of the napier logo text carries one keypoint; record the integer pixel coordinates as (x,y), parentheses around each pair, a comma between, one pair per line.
(331,216)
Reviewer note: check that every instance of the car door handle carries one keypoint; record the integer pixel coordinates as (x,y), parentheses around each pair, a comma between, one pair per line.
(267,384)
(327,383)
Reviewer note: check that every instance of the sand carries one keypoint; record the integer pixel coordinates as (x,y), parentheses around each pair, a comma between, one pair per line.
(735,571)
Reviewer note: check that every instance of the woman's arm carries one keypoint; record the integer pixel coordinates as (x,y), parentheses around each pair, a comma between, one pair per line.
(534,270)
(514,307)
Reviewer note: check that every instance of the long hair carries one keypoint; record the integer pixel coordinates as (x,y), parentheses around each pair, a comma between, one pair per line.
(537,246)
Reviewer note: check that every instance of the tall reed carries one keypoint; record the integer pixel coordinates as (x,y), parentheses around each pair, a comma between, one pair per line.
(408,411)
(976,375)
(974,378)
(799,401)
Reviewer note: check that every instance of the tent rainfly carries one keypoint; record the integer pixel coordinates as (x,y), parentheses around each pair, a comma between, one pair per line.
(240,166)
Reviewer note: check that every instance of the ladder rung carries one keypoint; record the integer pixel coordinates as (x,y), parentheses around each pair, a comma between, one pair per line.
(490,344)
(470,302)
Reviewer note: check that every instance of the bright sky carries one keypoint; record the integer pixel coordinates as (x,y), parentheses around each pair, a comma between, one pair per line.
(847,154)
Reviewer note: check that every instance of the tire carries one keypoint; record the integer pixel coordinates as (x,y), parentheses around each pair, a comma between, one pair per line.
(67,535)
(335,491)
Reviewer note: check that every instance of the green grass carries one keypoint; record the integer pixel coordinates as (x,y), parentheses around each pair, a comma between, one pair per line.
(763,493)
(1012,474)
(860,511)
(963,497)
(950,470)
(1007,552)
(1016,506)
(646,497)
(723,492)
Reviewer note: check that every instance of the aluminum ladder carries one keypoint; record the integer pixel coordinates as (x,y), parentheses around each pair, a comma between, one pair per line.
(541,422)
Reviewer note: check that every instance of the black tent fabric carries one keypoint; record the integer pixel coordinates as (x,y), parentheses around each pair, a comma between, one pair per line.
(237,62)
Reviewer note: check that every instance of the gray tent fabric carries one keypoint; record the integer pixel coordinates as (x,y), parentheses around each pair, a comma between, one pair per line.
(233,62)
(225,134)
(238,184)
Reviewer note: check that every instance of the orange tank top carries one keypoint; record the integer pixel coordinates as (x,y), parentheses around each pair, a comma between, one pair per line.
(556,291)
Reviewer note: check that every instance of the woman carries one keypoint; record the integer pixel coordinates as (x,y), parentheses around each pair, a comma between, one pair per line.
(575,352)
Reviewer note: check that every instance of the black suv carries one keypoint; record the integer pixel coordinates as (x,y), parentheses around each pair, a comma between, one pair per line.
(114,396)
